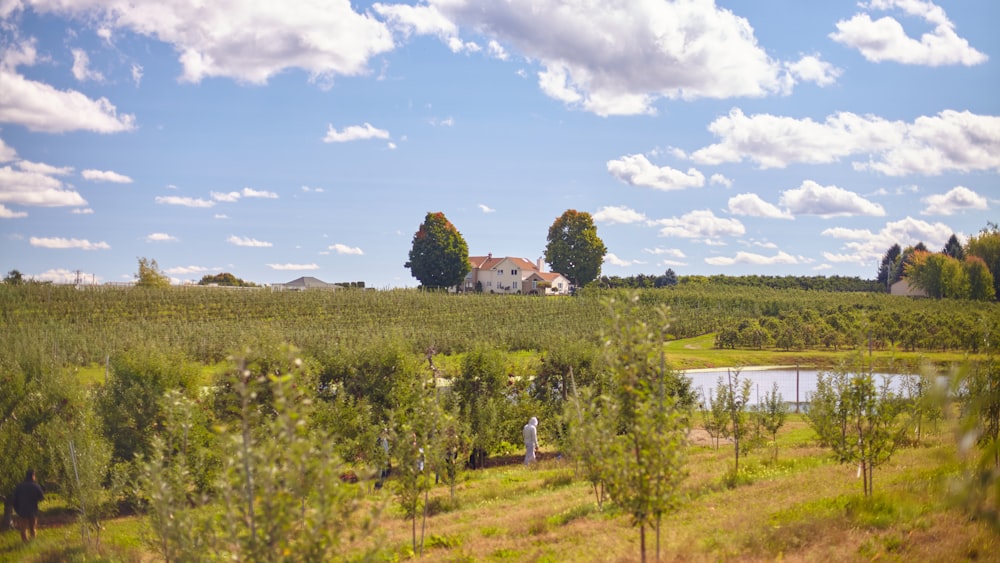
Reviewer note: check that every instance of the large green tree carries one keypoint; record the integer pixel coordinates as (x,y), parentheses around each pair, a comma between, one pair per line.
(439,257)
(149,274)
(986,245)
(574,249)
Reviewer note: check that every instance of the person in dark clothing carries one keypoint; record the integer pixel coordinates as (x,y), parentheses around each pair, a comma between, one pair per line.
(26,497)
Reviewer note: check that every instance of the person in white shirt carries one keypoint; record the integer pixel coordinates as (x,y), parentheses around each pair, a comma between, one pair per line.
(530,440)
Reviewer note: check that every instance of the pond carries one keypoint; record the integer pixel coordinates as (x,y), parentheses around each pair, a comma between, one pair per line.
(795,385)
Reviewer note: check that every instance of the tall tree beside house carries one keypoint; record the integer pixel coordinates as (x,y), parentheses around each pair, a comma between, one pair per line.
(439,257)
(574,249)
(885,270)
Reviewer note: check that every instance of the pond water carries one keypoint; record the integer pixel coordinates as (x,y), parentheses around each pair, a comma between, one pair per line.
(795,385)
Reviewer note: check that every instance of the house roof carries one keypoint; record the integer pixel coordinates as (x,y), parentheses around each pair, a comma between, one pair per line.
(489,262)
(307,282)
(546,276)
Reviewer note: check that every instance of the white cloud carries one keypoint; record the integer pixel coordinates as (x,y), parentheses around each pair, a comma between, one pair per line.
(614,260)
(307,189)
(184,201)
(81,67)
(250,192)
(40,107)
(136,74)
(354,133)
(7,152)
(83,211)
(229,197)
(753,206)
(486,208)
(614,58)
(828,201)
(62,275)
(672,252)
(700,224)
(949,141)
(864,247)
(247,241)
(497,51)
(811,68)
(42,168)
(36,189)
(251,42)
(105,176)
(160,237)
(344,249)
(955,200)
(220,216)
(885,39)
(9,214)
(64,243)
(293,266)
(821,267)
(636,170)
(752,258)
(186,270)
(720,180)
(618,214)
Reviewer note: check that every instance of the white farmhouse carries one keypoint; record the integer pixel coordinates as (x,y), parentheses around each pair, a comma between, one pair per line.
(513,275)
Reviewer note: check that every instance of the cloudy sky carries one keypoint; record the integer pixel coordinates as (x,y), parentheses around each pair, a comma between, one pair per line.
(274,140)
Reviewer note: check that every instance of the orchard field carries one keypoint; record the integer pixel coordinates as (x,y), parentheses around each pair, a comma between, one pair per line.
(210,423)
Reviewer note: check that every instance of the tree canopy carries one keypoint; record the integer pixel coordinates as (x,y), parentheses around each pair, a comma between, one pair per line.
(225,279)
(439,257)
(149,274)
(574,249)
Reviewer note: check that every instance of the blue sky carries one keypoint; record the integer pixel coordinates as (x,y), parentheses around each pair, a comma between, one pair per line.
(274,140)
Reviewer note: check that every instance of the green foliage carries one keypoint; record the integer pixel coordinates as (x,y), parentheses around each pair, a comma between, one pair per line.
(732,396)
(591,431)
(439,257)
(224,279)
(86,462)
(149,274)
(978,489)
(13,277)
(573,248)
(986,246)
(479,388)
(773,411)
(645,465)
(858,419)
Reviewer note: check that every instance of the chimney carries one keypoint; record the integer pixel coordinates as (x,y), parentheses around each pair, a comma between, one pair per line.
(541,268)
(489,256)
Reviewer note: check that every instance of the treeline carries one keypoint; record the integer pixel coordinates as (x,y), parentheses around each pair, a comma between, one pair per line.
(809,283)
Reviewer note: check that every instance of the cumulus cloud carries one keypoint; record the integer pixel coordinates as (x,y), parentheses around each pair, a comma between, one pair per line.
(614,260)
(247,241)
(486,208)
(865,247)
(354,133)
(618,214)
(62,275)
(249,44)
(931,145)
(184,201)
(752,258)
(187,270)
(720,180)
(36,186)
(614,58)
(64,243)
(136,74)
(956,200)
(81,67)
(293,266)
(40,107)
(637,170)
(10,214)
(228,197)
(344,249)
(700,223)
(885,39)
(250,192)
(671,252)
(7,152)
(105,176)
(828,201)
(811,68)
(160,237)
(752,205)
